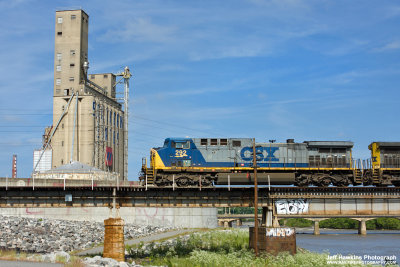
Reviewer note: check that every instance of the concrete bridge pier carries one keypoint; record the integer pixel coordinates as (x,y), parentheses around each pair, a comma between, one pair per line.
(226,223)
(316,227)
(362,227)
(267,216)
(275,222)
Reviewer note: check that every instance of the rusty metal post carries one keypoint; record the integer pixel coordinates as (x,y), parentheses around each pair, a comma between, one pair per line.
(255,199)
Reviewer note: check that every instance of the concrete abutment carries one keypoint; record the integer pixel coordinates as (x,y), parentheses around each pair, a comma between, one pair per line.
(174,217)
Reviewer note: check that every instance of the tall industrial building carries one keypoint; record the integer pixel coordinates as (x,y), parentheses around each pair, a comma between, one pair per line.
(88,121)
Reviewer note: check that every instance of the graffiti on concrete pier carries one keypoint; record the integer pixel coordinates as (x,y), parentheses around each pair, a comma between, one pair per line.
(291,206)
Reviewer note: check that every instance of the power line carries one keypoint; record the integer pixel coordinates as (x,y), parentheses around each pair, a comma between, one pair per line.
(171,124)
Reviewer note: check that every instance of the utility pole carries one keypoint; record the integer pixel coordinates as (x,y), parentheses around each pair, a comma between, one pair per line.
(255,198)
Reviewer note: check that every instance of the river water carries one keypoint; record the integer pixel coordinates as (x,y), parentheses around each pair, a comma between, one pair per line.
(345,242)
(349,242)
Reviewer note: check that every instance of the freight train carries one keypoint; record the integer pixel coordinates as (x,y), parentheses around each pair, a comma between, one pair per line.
(184,162)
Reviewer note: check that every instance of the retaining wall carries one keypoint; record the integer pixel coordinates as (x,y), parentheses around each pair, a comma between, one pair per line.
(177,217)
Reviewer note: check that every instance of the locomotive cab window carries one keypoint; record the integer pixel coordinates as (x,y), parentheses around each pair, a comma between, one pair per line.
(182,145)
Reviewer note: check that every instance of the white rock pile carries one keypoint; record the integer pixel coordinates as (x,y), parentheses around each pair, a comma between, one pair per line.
(96,261)
(99,261)
(46,236)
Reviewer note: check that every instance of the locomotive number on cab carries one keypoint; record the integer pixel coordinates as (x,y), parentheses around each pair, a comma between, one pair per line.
(180,153)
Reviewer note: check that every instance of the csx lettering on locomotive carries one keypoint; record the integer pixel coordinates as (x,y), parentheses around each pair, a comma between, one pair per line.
(247,153)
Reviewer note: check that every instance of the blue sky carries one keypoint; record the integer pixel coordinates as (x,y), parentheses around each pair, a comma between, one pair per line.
(308,70)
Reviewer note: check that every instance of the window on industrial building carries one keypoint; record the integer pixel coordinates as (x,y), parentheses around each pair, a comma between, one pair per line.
(62,143)
(203,142)
(236,143)
(59,56)
(73,16)
(60,20)
(106,134)
(72,65)
(71,79)
(105,76)
(122,122)
(59,33)
(110,117)
(114,137)
(66,91)
(117,138)
(214,142)
(114,118)
(224,142)
(72,52)
(58,67)
(58,91)
(58,81)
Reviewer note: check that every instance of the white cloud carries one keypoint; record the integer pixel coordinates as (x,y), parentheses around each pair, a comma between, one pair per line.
(140,30)
(393,45)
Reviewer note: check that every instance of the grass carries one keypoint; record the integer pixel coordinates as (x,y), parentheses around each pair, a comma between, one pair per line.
(220,248)
(75,262)
(246,258)
(13,255)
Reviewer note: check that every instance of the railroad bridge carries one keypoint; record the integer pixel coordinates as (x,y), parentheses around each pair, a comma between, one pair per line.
(315,203)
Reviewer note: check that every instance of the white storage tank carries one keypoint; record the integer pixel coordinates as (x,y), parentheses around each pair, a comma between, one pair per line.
(45,161)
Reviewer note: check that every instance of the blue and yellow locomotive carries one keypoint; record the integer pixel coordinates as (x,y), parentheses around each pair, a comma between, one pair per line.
(212,161)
